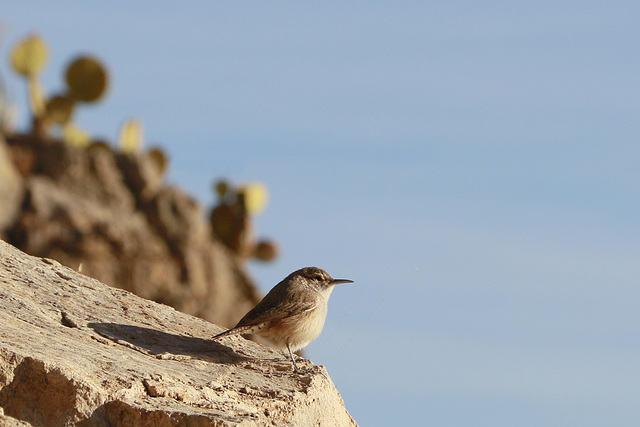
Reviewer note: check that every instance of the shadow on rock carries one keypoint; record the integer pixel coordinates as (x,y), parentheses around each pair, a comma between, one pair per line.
(156,342)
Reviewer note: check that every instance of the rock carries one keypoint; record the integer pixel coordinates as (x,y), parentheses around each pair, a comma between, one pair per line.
(110,214)
(74,351)
(11,422)
(141,175)
(11,188)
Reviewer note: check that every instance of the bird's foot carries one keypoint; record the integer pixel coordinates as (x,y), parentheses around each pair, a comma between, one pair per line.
(301,371)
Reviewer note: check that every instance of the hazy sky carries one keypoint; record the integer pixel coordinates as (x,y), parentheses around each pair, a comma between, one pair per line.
(473,166)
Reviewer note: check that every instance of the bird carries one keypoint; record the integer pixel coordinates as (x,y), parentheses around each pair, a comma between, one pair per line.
(292,314)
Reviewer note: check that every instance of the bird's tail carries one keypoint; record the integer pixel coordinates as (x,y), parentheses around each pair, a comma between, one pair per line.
(248,329)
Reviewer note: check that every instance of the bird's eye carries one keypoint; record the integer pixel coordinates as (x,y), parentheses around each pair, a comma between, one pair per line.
(318,277)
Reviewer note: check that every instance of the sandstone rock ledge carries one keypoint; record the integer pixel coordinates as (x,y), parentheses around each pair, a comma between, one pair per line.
(74,351)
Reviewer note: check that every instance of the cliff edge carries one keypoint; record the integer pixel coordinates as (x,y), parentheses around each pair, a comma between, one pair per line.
(75,351)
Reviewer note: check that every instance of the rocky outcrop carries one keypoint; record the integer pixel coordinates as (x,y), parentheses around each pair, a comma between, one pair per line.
(111,215)
(11,189)
(74,351)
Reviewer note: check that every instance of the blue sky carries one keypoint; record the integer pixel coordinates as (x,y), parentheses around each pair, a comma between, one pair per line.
(473,167)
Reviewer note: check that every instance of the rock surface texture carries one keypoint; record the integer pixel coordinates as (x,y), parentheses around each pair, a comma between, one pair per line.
(74,351)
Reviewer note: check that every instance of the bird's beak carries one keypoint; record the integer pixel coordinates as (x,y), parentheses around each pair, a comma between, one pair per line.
(338,281)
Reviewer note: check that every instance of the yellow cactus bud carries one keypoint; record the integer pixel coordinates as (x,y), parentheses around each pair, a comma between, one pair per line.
(130,139)
(256,196)
(75,136)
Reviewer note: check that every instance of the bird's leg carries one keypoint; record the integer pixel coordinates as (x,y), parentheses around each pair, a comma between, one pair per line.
(295,367)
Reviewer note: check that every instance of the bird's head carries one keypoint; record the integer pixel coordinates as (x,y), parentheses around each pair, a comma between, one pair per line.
(318,279)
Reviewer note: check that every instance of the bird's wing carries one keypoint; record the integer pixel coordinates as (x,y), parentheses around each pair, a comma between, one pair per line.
(275,308)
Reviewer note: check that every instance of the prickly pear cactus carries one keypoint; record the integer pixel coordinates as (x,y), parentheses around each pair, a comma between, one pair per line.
(87,79)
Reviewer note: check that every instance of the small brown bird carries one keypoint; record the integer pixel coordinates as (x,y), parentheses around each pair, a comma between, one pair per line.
(292,314)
